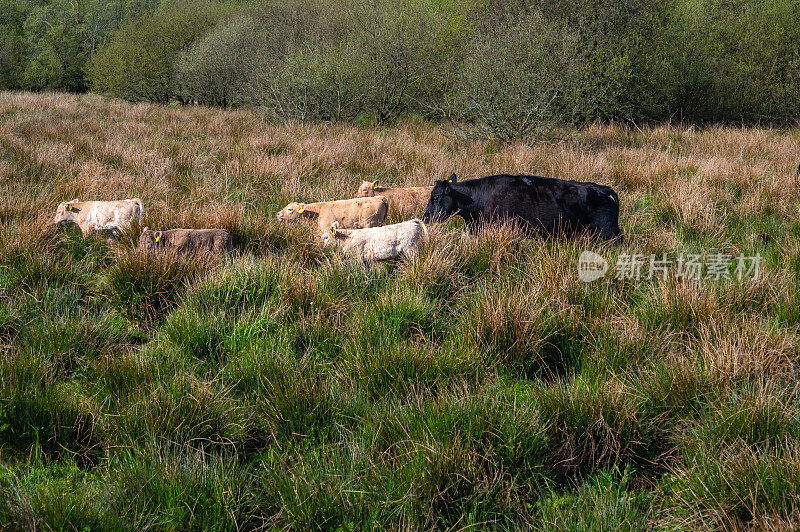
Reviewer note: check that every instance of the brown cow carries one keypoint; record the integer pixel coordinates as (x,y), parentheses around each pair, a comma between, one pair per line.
(405,201)
(356,213)
(187,242)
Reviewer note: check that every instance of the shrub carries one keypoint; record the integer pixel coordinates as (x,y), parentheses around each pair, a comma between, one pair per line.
(137,64)
(12,44)
(407,53)
(264,56)
(736,59)
(55,52)
(517,76)
(509,69)
(216,68)
(328,61)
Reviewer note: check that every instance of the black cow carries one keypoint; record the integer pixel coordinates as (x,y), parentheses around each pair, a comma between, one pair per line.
(550,207)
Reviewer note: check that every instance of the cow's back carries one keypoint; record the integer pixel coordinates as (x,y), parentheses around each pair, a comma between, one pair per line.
(386,242)
(222,241)
(124,212)
(194,241)
(359,213)
(408,200)
(552,206)
(109,215)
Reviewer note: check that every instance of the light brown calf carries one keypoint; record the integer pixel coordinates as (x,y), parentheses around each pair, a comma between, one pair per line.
(405,201)
(187,241)
(353,213)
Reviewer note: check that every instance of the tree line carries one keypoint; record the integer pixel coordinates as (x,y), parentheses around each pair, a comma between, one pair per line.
(511,68)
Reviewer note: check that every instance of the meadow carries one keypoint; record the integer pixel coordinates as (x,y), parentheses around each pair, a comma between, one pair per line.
(480,385)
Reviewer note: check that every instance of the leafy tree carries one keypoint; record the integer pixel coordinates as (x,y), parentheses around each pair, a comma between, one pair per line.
(56,56)
(510,67)
(12,43)
(217,66)
(518,75)
(137,64)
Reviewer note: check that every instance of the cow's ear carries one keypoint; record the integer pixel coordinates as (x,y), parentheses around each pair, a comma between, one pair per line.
(301,208)
(76,200)
(452,178)
(69,207)
(158,236)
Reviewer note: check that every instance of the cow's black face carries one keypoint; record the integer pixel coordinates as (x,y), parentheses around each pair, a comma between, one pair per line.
(442,203)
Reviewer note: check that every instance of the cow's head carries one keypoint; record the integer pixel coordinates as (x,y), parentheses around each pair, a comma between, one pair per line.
(66,211)
(368,189)
(330,237)
(149,239)
(293,211)
(443,202)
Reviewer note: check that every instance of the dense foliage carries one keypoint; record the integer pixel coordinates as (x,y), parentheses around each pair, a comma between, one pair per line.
(511,68)
(45,45)
(138,63)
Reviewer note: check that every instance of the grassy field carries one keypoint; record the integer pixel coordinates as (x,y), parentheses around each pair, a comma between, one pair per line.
(480,385)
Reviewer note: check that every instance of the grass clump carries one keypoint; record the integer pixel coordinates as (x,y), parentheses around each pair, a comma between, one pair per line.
(737,486)
(61,496)
(593,428)
(518,329)
(177,489)
(189,412)
(607,500)
(300,406)
(49,421)
(144,287)
(461,458)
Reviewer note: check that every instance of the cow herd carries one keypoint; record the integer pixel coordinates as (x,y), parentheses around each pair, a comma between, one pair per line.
(535,205)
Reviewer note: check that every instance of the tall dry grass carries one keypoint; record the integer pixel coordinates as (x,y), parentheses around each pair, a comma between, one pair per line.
(479,384)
